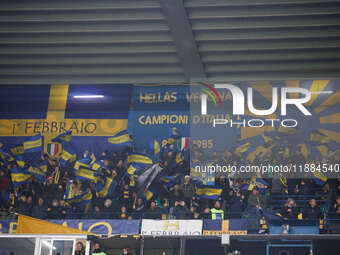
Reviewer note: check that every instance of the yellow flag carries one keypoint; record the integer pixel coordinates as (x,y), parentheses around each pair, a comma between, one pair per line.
(29,225)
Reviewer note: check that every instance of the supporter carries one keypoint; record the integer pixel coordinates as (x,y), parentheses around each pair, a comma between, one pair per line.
(181,211)
(176,196)
(54,211)
(123,213)
(108,209)
(97,250)
(4,183)
(96,212)
(39,210)
(196,216)
(29,204)
(80,249)
(50,189)
(126,196)
(59,193)
(236,205)
(206,213)
(304,189)
(278,185)
(224,184)
(326,193)
(153,212)
(256,205)
(334,212)
(256,200)
(22,206)
(64,209)
(120,168)
(216,212)
(139,208)
(289,210)
(127,251)
(188,189)
(86,153)
(312,211)
(336,190)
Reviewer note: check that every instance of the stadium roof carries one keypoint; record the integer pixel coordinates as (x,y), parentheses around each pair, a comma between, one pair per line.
(167,41)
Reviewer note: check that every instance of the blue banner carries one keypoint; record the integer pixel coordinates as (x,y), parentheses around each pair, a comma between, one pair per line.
(102,227)
(232,227)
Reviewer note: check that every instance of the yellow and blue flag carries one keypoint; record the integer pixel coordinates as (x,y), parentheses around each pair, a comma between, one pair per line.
(20,176)
(137,162)
(17,150)
(6,157)
(261,184)
(208,191)
(62,138)
(39,171)
(108,189)
(86,174)
(122,138)
(319,178)
(67,155)
(69,193)
(148,194)
(20,161)
(170,181)
(33,144)
(84,162)
(89,159)
(56,176)
(97,165)
(153,148)
(179,157)
(80,200)
(139,158)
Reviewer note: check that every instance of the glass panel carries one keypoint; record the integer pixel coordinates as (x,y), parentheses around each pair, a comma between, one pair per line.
(45,247)
(61,247)
(17,246)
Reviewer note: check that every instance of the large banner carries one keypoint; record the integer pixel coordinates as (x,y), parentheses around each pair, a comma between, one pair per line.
(171,227)
(91,112)
(102,227)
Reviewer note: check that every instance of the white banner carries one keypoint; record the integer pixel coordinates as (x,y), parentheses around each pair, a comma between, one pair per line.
(172,227)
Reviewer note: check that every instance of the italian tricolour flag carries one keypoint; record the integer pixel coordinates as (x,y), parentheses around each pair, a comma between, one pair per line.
(53,149)
(184,143)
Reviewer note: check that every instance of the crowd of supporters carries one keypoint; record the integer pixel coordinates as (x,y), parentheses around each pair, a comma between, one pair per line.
(292,198)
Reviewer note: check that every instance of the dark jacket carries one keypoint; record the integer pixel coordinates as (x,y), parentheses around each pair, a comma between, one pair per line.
(254,200)
(236,207)
(312,213)
(54,213)
(187,190)
(333,212)
(152,214)
(23,208)
(181,212)
(39,211)
(289,215)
